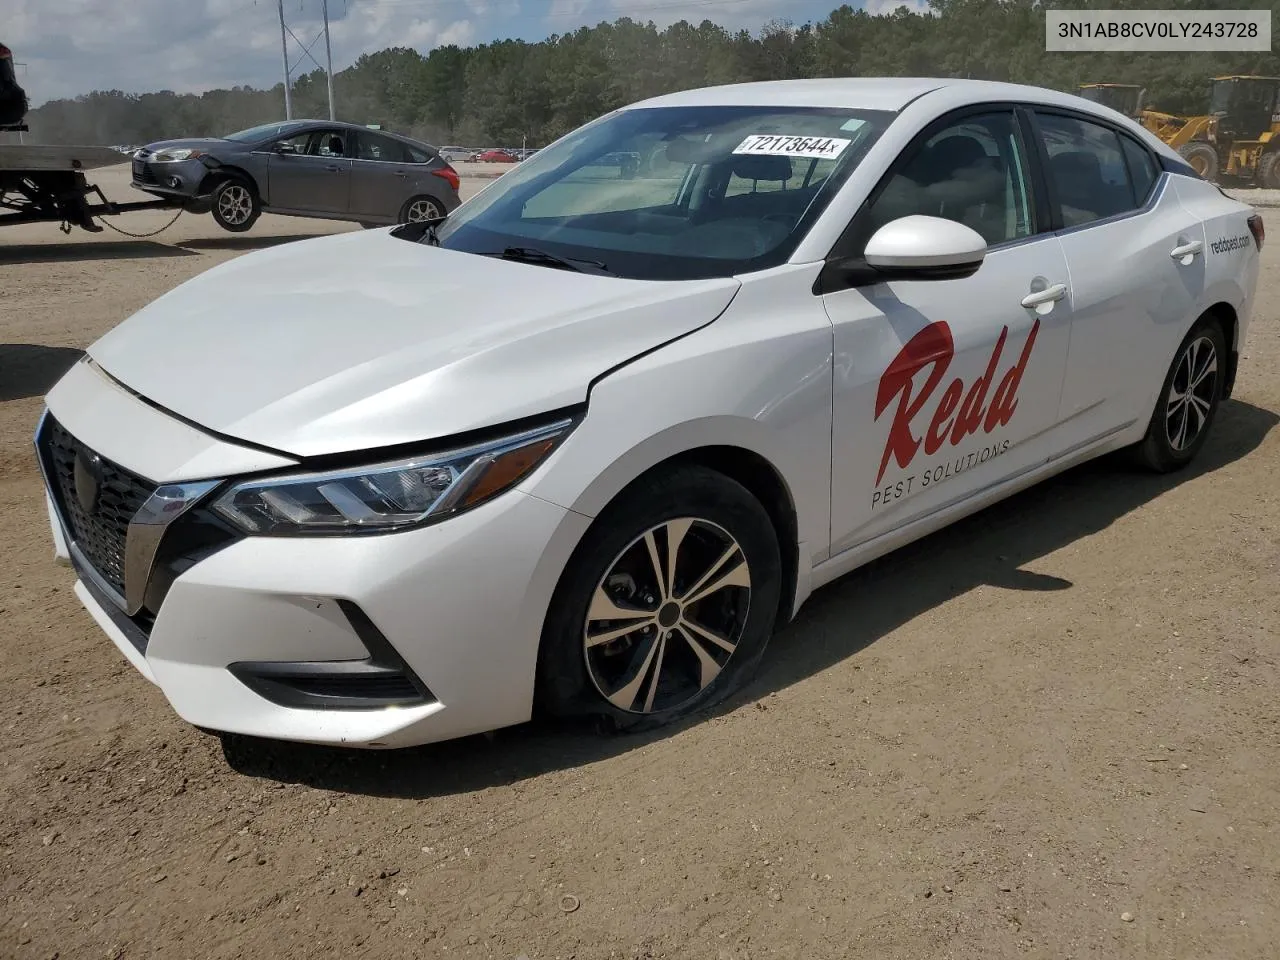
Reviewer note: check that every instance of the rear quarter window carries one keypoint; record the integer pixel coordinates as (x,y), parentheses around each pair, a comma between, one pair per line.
(1142,169)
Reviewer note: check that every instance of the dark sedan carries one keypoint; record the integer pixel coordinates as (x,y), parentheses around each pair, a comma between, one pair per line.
(301,168)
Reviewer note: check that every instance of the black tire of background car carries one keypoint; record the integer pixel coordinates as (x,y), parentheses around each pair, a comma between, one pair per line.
(254,213)
(1269,170)
(1154,452)
(564,688)
(1202,157)
(403,216)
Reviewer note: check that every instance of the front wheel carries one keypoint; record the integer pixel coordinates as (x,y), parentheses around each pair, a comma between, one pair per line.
(1202,158)
(236,206)
(1269,170)
(666,606)
(1189,400)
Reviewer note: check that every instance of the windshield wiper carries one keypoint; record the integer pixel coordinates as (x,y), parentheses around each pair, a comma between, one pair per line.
(542,257)
(429,230)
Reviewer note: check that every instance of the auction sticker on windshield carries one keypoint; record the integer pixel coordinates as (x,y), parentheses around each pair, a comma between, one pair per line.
(773,145)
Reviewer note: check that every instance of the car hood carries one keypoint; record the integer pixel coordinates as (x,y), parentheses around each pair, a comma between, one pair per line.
(189,143)
(362,340)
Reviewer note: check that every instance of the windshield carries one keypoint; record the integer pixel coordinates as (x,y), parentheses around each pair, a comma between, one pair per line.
(671,193)
(263,132)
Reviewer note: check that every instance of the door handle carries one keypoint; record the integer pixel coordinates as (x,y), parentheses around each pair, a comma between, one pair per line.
(1048,295)
(1187,249)
(333,168)
(401,174)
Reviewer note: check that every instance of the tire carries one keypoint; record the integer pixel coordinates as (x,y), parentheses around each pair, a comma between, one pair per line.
(236,206)
(649,675)
(1269,170)
(1202,158)
(1201,361)
(416,209)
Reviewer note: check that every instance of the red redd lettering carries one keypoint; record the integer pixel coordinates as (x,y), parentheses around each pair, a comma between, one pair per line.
(1006,399)
(938,428)
(934,347)
(970,418)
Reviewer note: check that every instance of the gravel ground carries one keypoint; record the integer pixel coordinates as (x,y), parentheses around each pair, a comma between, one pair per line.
(1050,731)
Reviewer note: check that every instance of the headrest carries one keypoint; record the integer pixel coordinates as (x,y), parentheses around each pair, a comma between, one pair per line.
(1076,163)
(759,167)
(953,153)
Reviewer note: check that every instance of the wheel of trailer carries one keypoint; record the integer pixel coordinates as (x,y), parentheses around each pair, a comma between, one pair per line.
(666,606)
(1269,170)
(236,206)
(418,209)
(1202,158)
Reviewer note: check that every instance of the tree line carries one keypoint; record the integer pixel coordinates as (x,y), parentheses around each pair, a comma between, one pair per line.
(511,91)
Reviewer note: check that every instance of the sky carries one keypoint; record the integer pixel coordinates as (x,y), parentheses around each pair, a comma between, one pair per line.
(68,47)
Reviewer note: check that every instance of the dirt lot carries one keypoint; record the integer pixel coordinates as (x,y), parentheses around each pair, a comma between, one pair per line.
(1051,731)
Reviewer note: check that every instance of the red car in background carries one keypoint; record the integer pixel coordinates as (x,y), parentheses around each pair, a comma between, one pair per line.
(497,156)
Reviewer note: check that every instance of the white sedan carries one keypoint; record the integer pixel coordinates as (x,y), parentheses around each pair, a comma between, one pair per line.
(585,443)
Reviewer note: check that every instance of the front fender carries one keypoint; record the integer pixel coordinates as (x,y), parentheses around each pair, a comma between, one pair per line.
(757,379)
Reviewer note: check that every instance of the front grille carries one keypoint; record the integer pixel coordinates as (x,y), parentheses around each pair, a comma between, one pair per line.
(99,532)
(143,173)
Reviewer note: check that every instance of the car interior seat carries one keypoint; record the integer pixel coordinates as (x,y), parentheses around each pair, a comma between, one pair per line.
(1083,192)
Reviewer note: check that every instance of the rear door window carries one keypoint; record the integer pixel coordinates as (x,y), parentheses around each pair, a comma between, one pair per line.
(1087,169)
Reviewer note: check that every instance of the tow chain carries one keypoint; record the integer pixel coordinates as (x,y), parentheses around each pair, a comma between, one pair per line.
(141,236)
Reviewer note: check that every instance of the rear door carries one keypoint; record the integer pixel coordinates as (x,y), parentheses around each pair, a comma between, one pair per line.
(382,173)
(1137,262)
(316,178)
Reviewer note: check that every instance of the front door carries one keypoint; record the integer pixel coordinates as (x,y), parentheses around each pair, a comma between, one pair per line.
(314,176)
(946,387)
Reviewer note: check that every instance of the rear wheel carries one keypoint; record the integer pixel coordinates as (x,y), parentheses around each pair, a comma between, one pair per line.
(236,206)
(1202,158)
(667,605)
(1189,400)
(421,208)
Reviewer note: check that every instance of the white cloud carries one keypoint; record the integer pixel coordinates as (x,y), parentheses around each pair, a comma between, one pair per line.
(881,7)
(730,14)
(74,46)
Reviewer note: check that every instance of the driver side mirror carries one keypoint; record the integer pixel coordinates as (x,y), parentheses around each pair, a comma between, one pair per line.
(284,148)
(909,248)
(925,248)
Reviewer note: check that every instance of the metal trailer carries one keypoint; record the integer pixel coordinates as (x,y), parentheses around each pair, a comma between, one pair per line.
(47,184)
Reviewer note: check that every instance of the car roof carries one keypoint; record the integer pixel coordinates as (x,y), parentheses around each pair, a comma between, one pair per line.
(858,93)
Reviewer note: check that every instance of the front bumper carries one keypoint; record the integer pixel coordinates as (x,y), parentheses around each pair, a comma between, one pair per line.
(248,637)
(182,178)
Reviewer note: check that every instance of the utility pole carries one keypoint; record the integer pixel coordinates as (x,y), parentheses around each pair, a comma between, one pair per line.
(284,49)
(328,56)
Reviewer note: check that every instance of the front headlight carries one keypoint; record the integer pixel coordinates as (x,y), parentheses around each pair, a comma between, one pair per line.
(172,156)
(389,496)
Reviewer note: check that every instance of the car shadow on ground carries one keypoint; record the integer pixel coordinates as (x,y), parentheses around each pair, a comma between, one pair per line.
(93,250)
(31,369)
(840,620)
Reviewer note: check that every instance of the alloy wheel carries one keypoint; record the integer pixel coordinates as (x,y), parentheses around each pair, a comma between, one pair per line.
(1192,393)
(421,210)
(235,204)
(667,615)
